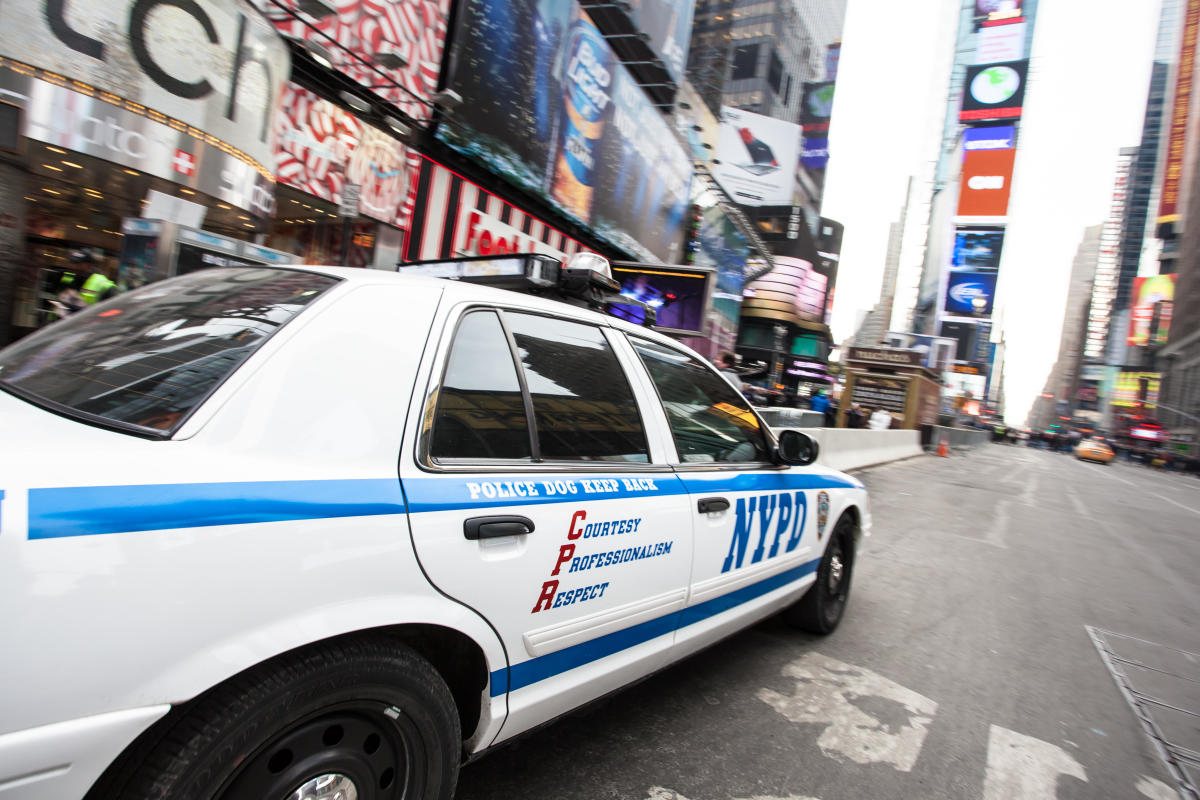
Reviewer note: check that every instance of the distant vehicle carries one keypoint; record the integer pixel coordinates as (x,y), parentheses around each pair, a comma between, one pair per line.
(319,532)
(1094,450)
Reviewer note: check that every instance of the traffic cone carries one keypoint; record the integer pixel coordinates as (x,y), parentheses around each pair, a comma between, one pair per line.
(943,448)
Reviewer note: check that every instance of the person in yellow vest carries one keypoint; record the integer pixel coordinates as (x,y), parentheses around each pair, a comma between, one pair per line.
(82,283)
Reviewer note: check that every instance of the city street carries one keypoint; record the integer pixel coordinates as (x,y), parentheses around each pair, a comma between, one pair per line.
(969,665)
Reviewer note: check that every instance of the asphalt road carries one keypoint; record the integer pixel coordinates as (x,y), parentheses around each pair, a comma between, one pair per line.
(967,665)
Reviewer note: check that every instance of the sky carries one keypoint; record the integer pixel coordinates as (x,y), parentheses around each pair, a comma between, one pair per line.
(1086,97)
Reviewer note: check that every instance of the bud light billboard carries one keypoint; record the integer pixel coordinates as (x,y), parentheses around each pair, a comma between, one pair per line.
(547,106)
(970,294)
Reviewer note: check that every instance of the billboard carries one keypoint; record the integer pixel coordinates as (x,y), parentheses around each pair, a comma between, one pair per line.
(970,294)
(1168,208)
(817,106)
(793,291)
(996,137)
(964,335)
(214,65)
(997,9)
(1134,389)
(320,149)
(994,91)
(678,296)
(814,153)
(758,158)
(719,245)
(1150,312)
(413,30)
(998,43)
(977,248)
(668,23)
(984,186)
(547,106)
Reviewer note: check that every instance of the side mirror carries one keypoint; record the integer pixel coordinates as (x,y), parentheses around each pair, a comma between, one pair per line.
(796,449)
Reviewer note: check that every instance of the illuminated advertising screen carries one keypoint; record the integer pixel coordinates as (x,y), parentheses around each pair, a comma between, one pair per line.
(994,91)
(1150,314)
(814,153)
(319,149)
(984,186)
(678,296)
(758,158)
(720,246)
(995,137)
(970,294)
(793,291)
(1000,42)
(547,106)
(817,106)
(1134,389)
(977,248)
(997,9)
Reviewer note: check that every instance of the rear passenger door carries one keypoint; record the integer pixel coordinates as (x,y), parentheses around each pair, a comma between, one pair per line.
(539,498)
(755,531)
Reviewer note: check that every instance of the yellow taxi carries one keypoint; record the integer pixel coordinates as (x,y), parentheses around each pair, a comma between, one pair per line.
(1094,450)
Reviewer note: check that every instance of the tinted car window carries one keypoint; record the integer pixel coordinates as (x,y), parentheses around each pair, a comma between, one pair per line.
(709,420)
(480,411)
(145,360)
(582,403)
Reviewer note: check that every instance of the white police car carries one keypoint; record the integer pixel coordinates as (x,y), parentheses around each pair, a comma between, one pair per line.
(280,533)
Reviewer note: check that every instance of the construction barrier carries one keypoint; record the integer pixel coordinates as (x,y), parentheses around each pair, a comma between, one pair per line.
(786,417)
(956,438)
(855,448)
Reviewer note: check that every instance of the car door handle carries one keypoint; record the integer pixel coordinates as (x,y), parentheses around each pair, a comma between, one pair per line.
(495,527)
(710,504)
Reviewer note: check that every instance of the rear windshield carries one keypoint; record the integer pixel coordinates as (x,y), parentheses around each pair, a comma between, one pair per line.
(144,361)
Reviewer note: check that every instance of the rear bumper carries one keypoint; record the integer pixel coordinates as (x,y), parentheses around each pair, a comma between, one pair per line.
(63,760)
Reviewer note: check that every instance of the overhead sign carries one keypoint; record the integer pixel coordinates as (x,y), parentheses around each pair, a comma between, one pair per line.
(970,294)
(984,186)
(758,157)
(998,137)
(994,91)
(215,65)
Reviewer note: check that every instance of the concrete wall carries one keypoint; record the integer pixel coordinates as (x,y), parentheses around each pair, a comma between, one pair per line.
(854,448)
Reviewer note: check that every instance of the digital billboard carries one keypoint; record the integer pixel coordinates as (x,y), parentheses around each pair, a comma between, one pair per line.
(758,158)
(996,137)
(986,177)
(547,106)
(1134,389)
(411,32)
(817,106)
(1168,208)
(997,9)
(678,297)
(319,149)
(1150,312)
(977,248)
(814,153)
(1001,42)
(970,294)
(720,246)
(793,291)
(994,91)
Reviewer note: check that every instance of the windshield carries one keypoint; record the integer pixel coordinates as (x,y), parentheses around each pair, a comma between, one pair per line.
(143,361)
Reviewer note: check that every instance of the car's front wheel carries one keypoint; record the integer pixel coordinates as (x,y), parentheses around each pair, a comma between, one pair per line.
(823,605)
(362,717)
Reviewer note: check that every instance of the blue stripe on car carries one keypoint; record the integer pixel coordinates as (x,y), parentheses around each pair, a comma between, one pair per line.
(538,669)
(89,510)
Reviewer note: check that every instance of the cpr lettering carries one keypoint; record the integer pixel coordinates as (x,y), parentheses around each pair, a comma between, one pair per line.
(788,511)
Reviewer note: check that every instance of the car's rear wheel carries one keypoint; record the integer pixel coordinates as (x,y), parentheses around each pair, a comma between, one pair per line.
(824,604)
(364,716)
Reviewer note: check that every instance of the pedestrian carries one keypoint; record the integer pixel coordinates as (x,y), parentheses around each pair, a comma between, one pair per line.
(855,416)
(881,420)
(83,283)
(727,367)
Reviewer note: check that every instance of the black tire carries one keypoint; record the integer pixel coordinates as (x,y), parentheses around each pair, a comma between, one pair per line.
(365,709)
(824,604)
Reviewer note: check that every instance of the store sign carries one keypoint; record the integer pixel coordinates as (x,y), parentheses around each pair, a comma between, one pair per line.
(758,158)
(984,186)
(547,106)
(457,218)
(322,149)
(994,91)
(109,130)
(411,32)
(216,65)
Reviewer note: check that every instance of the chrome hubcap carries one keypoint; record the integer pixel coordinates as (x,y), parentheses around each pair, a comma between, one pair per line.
(330,786)
(836,568)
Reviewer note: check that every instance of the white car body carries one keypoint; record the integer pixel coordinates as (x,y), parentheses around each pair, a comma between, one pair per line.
(293,506)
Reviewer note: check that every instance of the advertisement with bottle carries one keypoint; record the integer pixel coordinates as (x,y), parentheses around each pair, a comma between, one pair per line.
(758,157)
(549,108)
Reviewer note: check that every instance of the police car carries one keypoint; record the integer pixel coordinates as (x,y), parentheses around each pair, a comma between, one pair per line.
(296,532)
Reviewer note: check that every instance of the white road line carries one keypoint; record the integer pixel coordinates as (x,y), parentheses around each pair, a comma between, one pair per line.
(1075,501)
(1155,789)
(1023,767)
(659,793)
(996,532)
(825,689)
(1172,502)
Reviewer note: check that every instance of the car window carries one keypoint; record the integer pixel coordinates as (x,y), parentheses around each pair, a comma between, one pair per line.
(583,405)
(709,420)
(480,411)
(145,360)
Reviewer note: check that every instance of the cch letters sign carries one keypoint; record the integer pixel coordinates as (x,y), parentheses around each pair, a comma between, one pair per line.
(215,65)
